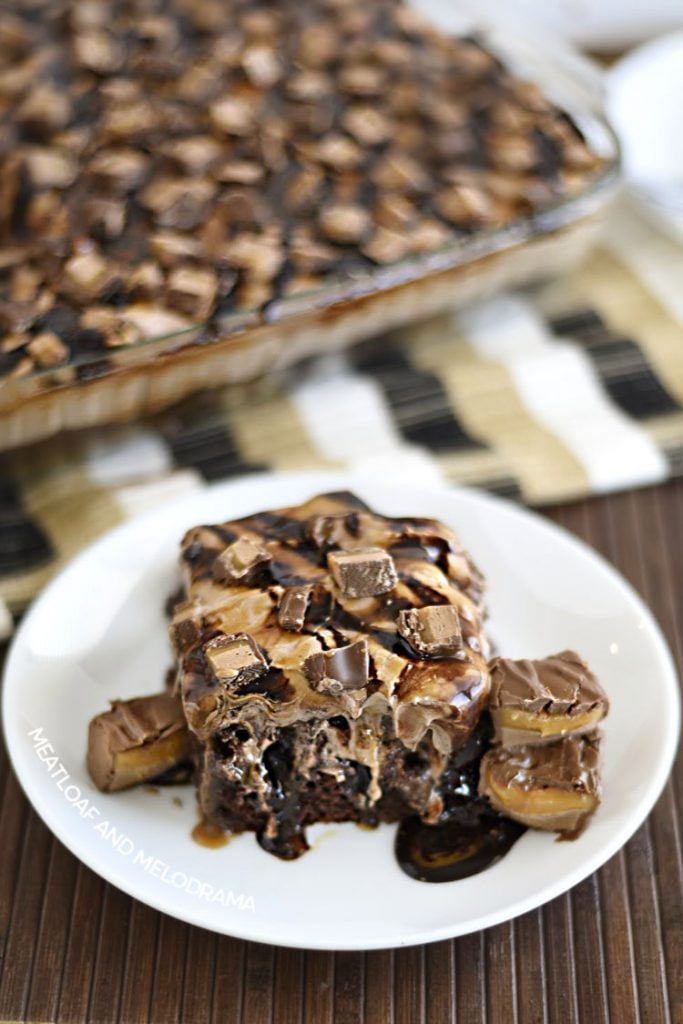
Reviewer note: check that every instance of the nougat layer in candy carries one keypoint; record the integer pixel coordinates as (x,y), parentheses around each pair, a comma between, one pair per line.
(545,700)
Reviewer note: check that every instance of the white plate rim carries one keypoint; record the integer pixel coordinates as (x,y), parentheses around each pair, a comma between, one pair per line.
(320,481)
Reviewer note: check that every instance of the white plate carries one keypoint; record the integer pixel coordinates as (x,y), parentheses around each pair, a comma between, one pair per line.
(97,632)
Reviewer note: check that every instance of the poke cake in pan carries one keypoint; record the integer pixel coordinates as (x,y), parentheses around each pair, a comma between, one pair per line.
(194,192)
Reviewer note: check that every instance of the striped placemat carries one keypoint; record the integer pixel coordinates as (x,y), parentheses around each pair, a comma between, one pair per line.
(570,389)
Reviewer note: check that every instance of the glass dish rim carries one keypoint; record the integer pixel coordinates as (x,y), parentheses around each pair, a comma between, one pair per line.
(458,252)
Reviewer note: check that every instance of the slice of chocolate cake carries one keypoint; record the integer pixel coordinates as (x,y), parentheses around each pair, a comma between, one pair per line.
(330,663)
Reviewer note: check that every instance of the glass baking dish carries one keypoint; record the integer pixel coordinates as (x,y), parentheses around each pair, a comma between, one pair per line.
(237,347)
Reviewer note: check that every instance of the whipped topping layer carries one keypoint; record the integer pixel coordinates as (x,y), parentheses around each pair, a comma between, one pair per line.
(287,595)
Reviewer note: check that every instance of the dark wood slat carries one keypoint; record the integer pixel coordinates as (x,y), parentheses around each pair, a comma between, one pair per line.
(668,881)
(349,983)
(258,984)
(43,1002)
(470,987)
(440,981)
(560,964)
(257,1007)
(77,972)
(138,979)
(169,974)
(617,942)
(288,986)
(501,994)
(14,815)
(409,983)
(591,988)
(110,958)
(228,987)
(379,988)
(27,902)
(532,1005)
(200,967)
(319,987)
(649,955)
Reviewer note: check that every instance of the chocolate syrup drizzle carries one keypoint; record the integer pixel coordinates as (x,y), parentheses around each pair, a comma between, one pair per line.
(456,849)
(470,836)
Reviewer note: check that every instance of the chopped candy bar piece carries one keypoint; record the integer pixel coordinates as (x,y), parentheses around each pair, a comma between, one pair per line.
(239,561)
(363,573)
(432,632)
(333,531)
(235,659)
(136,741)
(545,700)
(292,607)
(555,787)
(345,668)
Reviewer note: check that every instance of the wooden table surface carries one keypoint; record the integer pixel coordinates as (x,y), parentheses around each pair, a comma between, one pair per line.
(76,949)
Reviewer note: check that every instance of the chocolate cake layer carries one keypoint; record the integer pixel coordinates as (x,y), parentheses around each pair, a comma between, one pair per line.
(339,692)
